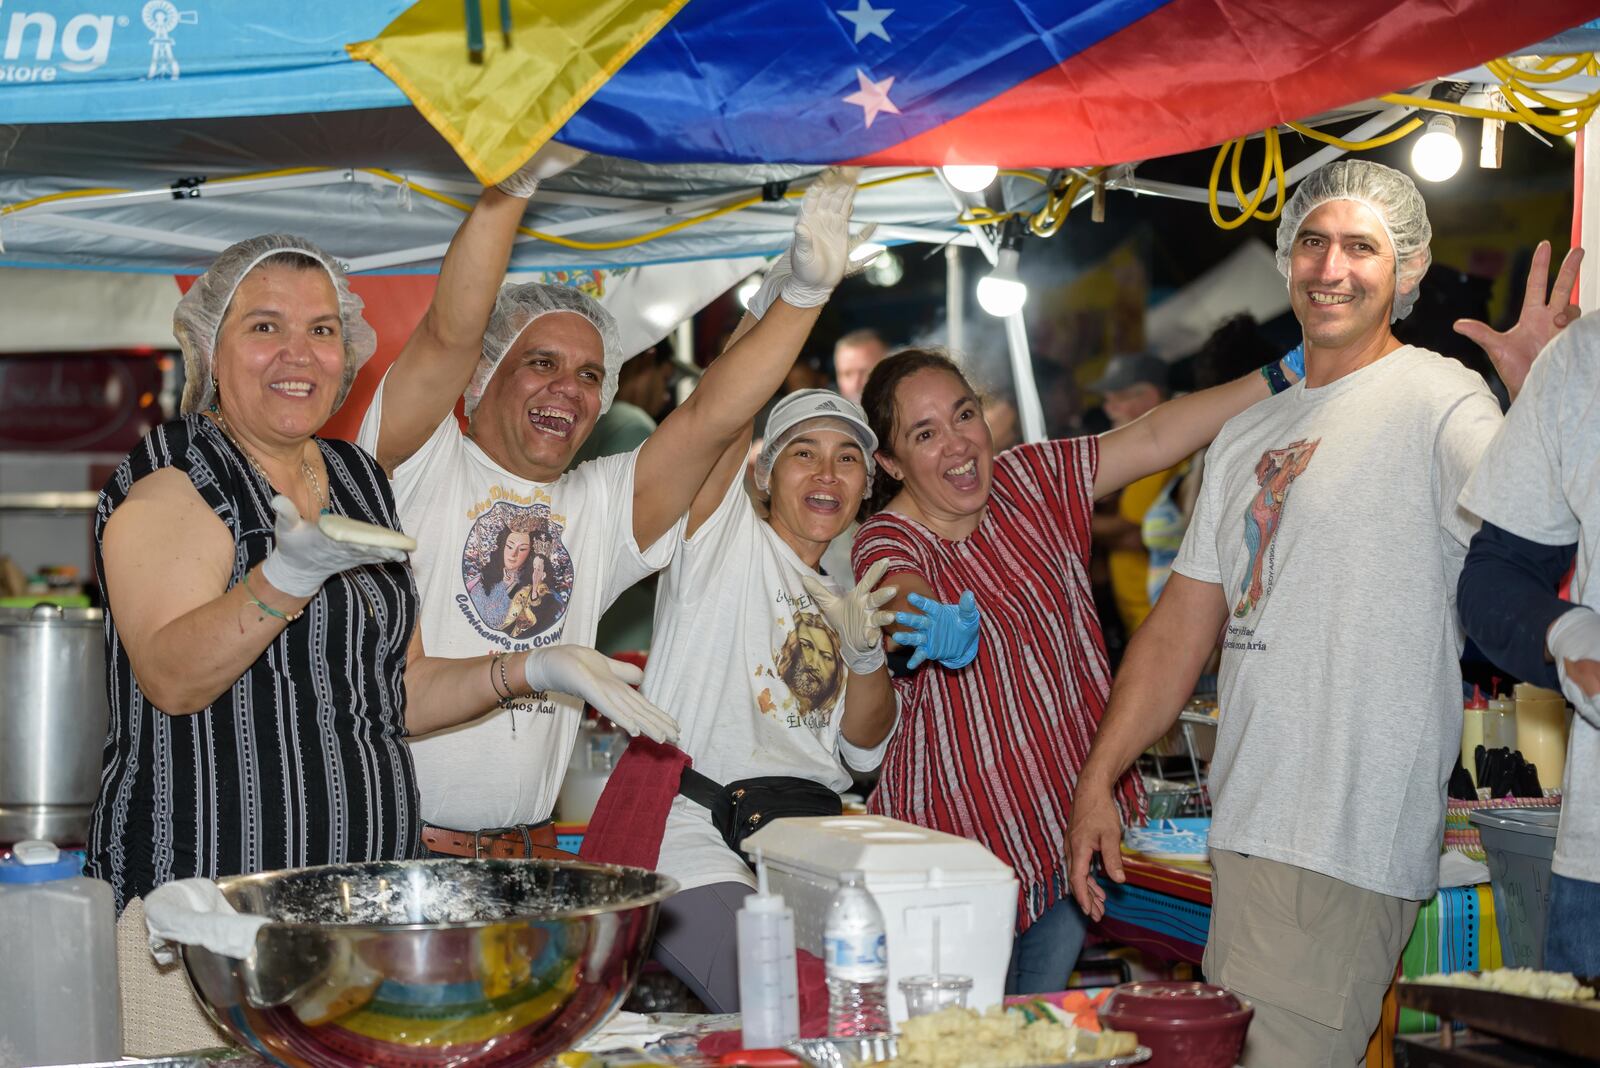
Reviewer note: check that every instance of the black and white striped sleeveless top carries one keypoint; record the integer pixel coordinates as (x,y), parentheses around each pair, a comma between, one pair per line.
(304,759)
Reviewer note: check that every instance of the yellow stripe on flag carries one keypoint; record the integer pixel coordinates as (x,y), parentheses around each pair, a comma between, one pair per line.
(497,114)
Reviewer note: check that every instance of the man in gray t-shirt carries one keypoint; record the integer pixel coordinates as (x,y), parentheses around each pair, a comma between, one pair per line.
(1323,554)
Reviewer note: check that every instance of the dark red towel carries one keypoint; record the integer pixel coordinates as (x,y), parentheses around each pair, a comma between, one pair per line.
(813,1009)
(631,815)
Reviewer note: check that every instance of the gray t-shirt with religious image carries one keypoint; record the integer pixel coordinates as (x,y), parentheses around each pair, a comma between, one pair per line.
(1329,518)
(1540,480)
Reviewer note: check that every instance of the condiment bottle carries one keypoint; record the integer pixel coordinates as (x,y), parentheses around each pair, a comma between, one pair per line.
(769,987)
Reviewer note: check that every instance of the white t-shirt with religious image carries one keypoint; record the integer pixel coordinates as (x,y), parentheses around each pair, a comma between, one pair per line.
(745,662)
(503,563)
(1329,518)
(1540,480)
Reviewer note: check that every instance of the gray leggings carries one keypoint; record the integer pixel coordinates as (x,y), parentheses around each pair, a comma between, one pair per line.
(697,940)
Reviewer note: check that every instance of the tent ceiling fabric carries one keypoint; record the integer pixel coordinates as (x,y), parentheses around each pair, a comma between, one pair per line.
(371,223)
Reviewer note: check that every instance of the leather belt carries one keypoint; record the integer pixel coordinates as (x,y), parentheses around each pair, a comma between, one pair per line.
(537,840)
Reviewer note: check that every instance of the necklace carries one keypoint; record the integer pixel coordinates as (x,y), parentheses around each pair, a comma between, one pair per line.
(305,465)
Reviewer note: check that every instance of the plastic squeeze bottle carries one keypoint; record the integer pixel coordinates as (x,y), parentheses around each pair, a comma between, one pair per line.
(769,991)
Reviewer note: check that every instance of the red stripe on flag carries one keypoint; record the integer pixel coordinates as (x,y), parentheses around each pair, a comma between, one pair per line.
(1198,72)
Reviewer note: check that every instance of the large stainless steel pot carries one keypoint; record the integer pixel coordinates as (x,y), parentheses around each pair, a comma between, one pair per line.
(53,720)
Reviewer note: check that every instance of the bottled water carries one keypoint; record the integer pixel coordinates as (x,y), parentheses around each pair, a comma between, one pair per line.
(856,956)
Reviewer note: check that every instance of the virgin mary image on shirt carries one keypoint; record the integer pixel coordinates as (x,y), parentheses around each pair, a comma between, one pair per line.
(517,570)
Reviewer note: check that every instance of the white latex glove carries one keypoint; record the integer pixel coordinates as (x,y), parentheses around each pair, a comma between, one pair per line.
(605,683)
(304,557)
(548,162)
(1574,644)
(857,618)
(193,912)
(806,274)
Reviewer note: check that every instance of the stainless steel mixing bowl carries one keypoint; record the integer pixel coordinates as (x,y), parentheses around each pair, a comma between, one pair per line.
(416,964)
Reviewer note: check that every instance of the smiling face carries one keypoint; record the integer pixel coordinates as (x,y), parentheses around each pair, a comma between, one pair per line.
(941,450)
(515,554)
(544,397)
(817,484)
(280,356)
(1342,276)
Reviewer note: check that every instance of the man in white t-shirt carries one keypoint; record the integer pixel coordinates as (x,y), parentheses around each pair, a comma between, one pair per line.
(1537,490)
(518,556)
(1324,551)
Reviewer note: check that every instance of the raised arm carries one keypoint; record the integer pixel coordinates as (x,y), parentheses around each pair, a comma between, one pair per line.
(437,361)
(1545,313)
(711,425)
(1165,435)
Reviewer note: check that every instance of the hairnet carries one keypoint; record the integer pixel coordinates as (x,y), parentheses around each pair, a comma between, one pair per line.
(199,314)
(1388,194)
(518,305)
(809,409)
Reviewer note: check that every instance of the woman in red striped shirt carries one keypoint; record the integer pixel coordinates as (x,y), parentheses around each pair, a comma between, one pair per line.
(998,718)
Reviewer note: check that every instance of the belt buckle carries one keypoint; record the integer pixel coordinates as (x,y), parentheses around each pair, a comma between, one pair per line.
(500,832)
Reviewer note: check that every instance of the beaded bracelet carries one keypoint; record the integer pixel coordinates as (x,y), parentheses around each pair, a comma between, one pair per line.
(267,608)
(494,663)
(504,681)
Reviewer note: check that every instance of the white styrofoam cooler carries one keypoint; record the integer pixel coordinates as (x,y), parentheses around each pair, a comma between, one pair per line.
(915,874)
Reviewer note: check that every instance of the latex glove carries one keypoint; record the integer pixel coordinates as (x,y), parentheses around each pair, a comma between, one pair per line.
(605,683)
(1295,360)
(947,633)
(857,617)
(548,162)
(1574,644)
(1544,315)
(193,912)
(806,274)
(304,557)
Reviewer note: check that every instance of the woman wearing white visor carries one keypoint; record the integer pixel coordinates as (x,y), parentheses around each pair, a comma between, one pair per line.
(775,674)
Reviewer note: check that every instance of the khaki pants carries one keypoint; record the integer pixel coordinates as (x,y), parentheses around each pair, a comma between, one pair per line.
(160,1014)
(1314,955)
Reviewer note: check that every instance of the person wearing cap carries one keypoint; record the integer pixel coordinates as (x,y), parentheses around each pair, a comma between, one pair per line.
(537,365)
(262,676)
(773,671)
(1325,549)
(1134,383)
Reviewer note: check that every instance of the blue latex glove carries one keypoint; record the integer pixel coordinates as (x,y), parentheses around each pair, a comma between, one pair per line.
(947,633)
(1295,360)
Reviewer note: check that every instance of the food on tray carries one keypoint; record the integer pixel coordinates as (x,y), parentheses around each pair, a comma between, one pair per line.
(1527,982)
(957,1037)
(342,528)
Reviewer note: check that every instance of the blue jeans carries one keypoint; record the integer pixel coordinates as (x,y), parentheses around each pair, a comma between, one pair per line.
(1572,935)
(1043,956)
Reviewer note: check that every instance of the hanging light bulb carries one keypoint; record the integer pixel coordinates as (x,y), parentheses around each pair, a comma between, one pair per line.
(970,177)
(1436,156)
(1001,292)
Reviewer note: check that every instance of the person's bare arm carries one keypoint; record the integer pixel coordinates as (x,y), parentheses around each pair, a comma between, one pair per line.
(1114,532)
(443,692)
(906,583)
(869,709)
(1171,431)
(168,559)
(437,361)
(1157,676)
(674,464)
(731,464)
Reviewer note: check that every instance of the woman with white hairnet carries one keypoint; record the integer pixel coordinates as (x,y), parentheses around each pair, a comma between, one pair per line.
(774,671)
(262,654)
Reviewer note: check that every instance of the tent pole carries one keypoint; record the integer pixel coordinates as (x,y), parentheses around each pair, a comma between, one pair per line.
(955,297)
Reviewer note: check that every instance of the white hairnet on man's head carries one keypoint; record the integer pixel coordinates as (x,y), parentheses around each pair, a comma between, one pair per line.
(199,315)
(518,305)
(1388,194)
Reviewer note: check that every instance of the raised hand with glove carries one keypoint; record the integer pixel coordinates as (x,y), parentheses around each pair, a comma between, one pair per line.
(857,617)
(606,684)
(548,162)
(947,633)
(1574,644)
(305,557)
(819,257)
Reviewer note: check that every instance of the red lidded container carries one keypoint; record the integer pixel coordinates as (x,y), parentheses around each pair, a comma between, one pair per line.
(1186,1025)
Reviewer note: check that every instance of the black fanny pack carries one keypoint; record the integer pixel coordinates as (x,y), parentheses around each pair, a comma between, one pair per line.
(744,807)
